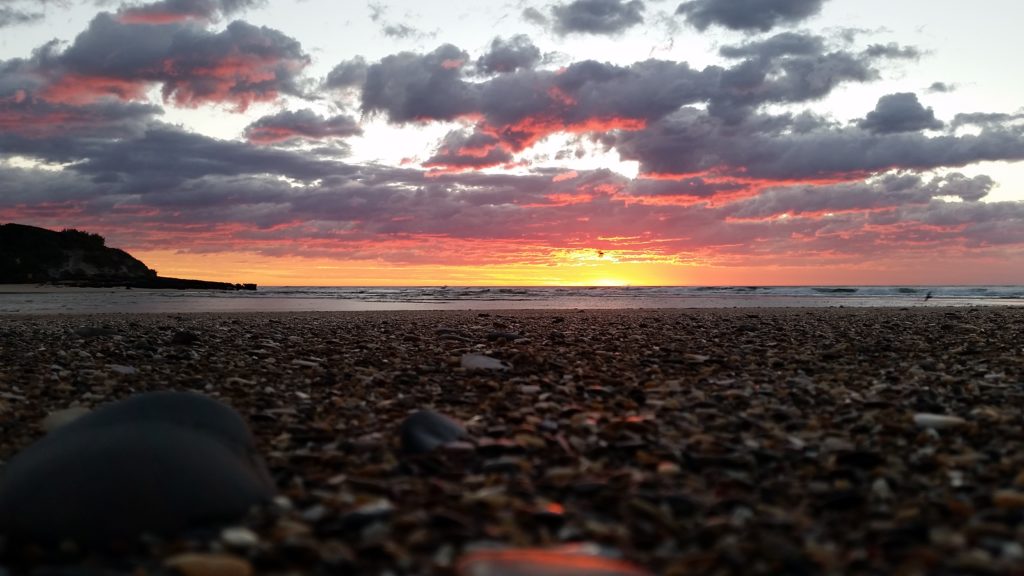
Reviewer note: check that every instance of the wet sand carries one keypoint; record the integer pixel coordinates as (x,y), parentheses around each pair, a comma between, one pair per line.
(746,441)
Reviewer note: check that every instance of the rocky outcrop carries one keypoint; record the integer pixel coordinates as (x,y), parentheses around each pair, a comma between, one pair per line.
(74,258)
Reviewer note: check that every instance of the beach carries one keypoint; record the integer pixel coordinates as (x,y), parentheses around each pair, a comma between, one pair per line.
(714,441)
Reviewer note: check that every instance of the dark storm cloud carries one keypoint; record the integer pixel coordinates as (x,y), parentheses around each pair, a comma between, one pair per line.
(787,67)
(692,141)
(966,188)
(412,87)
(748,15)
(888,192)
(348,74)
(376,212)
(169,156)
(524,106)
(10,16)
(900,112)
(167,11)
(983,119)
(597,16)
(290,125)
(782,44)
(37,119)
(515,53)
(465,149)
(729,168)
(238,65)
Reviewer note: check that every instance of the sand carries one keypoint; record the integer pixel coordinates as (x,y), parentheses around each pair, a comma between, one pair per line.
(817,441)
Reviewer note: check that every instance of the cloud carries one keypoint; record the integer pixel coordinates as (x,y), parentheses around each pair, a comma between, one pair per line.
(462,150)
(10,16)
(348,74)
(748,15)
(33,118)
(890,191)
(520,108)
(164,155)
(900,112)
(692,141)
(504,56)
(391,29)
(399,31)
(288,126)
(941,87)
(534,16)
(597,16)
(169,11)
(782,44)
(984,119)
(787,67)
(892,50)
(237,66)
(402,216)
(411,87)
(727,177)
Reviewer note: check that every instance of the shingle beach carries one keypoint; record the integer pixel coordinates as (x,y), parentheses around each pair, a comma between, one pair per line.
(727,441)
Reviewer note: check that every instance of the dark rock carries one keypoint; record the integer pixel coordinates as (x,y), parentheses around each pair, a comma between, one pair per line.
(159,463)
(184,338)
(94,332)
(859,459)
(427,430)
(32,254)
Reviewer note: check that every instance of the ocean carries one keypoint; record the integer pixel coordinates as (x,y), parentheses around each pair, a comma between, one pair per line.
(55,300)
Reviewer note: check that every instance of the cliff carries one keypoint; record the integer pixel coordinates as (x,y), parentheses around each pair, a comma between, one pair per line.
(71,257)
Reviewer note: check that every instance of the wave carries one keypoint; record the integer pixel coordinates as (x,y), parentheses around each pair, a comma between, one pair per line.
(526,294)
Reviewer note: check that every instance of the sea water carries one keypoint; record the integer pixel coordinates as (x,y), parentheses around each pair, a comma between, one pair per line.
(33,300)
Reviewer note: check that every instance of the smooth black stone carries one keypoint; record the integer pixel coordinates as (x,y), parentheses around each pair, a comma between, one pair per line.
(426,430)
(157,463)
(184,338)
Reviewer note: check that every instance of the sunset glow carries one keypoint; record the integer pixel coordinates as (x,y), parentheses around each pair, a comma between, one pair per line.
(235,141)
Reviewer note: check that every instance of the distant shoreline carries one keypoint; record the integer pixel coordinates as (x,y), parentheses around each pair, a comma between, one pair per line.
(50,288)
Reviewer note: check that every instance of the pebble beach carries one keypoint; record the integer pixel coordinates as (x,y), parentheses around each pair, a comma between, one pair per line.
(677,442)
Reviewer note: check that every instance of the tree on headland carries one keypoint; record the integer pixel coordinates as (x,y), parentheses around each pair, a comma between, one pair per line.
(83,238)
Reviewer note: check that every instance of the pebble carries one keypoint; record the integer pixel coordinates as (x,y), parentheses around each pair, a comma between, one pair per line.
(121,369)
(1008,499)
(197,564)
(94,332)
(482,362)
(938,421)
(426,430)
(715,467)
(239,536)
(184,338)
(158,462)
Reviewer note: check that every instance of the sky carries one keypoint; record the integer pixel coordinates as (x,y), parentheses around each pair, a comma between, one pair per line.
(572,142)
